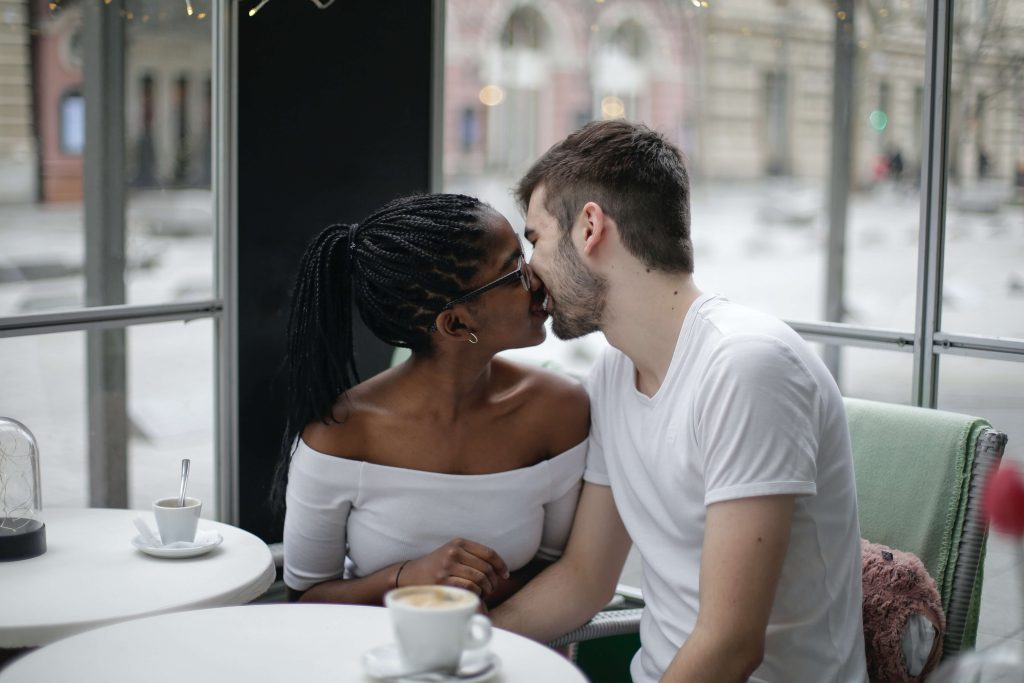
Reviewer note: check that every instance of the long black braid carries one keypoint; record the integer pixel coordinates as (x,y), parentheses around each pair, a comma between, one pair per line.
(400,266)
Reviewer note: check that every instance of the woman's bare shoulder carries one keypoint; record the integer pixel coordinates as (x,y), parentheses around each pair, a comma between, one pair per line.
(331,437)
(559,405)
(343,432)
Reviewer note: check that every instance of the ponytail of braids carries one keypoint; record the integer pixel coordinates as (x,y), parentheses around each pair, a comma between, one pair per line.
(319,354)
(399,267)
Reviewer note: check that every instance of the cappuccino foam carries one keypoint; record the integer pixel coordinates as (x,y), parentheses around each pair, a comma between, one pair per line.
(434,598)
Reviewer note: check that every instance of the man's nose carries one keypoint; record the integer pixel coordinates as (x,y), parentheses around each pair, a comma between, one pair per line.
(536,281)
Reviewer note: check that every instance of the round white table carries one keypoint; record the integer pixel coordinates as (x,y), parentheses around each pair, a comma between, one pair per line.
(91,575)
(287,642)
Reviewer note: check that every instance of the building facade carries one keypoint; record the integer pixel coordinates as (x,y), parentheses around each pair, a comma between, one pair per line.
(745,89)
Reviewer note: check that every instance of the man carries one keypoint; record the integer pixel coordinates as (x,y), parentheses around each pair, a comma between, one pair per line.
(719,441)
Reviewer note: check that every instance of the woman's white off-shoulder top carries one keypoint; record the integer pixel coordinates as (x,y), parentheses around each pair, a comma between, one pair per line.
(348,519)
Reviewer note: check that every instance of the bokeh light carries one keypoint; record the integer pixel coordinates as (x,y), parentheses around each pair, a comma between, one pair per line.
(878,120)
(612,107)
(491,95)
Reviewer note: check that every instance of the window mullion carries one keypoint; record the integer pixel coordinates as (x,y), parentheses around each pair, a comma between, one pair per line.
(104,204)
(931,243)
(839,185)
(224,163)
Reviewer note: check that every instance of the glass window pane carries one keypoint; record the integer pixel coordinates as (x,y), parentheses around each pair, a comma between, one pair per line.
(887,139)
(987,388)
(983,282)
(170,409)
(168,228)
(168,109)
(746,90)
(44,388)
(874,374)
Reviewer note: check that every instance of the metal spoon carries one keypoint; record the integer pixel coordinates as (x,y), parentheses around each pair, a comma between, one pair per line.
(185,462)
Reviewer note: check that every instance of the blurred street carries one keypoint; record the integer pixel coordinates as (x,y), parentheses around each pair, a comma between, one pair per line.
(761,244)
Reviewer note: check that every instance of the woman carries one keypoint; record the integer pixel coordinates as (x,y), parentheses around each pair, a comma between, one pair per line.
(454,467)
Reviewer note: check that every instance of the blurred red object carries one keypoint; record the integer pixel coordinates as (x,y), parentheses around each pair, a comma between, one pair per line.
(1004,500)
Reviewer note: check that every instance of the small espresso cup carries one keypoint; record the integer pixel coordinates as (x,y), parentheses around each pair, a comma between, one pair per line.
(177,523)
(433,625)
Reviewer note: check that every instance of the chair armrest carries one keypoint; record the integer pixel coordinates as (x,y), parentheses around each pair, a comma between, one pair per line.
(277,552)
(962,614)
(604,624)
(614,620)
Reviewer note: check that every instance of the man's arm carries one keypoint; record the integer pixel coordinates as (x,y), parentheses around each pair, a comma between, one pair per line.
(745,544)
(573,589)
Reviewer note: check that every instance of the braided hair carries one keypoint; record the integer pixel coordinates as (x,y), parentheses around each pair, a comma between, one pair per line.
(400,266)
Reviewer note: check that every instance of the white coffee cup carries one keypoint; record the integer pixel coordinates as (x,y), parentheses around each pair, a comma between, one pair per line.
(177,523)
(433,625)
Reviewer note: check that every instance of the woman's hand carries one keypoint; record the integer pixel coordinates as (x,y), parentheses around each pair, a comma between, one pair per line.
(460,563)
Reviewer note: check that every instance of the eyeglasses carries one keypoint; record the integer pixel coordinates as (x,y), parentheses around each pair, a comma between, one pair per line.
(522,273)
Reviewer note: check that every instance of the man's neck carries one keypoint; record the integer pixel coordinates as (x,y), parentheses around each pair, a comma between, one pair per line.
(643,319)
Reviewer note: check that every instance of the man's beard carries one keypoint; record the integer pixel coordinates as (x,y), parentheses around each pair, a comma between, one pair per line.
(581,296)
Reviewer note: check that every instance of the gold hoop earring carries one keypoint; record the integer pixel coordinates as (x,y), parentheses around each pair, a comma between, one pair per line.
(473,338)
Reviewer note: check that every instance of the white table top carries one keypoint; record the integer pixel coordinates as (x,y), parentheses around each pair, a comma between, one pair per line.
(286,642)
(91,575)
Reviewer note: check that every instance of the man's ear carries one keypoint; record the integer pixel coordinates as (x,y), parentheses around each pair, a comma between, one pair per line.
(595,226)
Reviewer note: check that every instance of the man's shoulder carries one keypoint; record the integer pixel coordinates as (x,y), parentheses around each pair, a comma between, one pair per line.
(757,351)
(725,320)
(731,331)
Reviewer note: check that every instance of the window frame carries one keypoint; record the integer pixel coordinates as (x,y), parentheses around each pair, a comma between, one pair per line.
(108,37)
(927,341)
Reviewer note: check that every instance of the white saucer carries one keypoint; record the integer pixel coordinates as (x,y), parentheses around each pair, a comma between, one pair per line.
(384,663)
(204,543)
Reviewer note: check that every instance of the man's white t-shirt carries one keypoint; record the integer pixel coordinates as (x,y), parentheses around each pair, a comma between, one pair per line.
(746,409)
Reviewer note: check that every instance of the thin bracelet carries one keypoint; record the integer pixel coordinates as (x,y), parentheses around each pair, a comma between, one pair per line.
(399,573)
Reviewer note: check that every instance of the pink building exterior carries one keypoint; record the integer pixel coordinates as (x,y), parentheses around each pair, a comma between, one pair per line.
(556,62)
(57,74)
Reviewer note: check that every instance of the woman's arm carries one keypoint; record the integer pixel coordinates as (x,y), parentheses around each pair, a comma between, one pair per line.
(319,498)
(458,562)
(366,590)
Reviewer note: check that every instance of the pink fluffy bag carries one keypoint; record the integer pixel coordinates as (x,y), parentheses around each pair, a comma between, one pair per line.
(903,619)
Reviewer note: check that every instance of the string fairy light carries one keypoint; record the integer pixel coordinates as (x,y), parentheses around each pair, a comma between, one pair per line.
(257,8)
(322,4)
(54,6)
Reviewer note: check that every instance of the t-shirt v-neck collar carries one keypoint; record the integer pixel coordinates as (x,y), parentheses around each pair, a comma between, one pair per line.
(685,331)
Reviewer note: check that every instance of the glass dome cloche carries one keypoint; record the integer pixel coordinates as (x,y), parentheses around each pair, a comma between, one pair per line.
(22,532)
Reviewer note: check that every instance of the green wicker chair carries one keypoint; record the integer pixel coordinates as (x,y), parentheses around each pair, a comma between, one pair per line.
(919,477)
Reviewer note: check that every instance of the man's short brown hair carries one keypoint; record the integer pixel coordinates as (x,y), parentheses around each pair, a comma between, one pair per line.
(637,177)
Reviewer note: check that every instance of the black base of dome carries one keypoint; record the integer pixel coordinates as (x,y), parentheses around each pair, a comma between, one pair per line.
(21,538)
